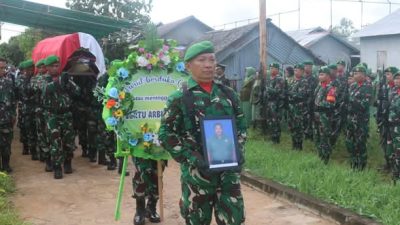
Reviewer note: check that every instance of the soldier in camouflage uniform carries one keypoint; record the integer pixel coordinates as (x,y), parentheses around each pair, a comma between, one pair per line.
(27,110)
(386,87)
(203,191)
(309,111)
(274,99)
(325,101)
(220,75)
(297,99)
(40,123)
(57,101)
(357,119)
(394,127)
(256,100)
(7,119)
(336,119)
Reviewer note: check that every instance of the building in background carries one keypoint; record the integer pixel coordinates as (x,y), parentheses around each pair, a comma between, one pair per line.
(327,46)
(380,42)
(185,30)
(239,48)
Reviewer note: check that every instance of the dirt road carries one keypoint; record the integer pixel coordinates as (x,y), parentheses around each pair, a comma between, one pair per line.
(87,197)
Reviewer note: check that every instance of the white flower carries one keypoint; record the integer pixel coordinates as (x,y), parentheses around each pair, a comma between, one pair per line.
(166,60)
(142,61)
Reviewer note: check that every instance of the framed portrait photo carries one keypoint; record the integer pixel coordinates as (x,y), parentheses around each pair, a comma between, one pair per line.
(220,144)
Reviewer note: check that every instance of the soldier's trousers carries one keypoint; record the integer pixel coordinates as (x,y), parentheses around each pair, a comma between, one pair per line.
(105,140)
(336,124)
(28,129)
(395,155)
(295,123)
(308,123)
(273,118)
(356,143)
(61,137)
(42,137)
(6,136)
(202,193)
(322,134)
(145,180)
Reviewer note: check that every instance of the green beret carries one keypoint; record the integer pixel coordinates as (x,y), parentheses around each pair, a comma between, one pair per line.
(308,63)
(341,62)
(198,49)
(299,66)
(40,63)
(332,66)
(26,64)
(363,64)
(51,59)
(274,65)
(359,68)
(396,74)
(250,71)
(392,70)
(325,70)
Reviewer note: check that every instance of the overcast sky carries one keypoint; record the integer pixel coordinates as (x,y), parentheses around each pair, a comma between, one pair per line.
(218,12)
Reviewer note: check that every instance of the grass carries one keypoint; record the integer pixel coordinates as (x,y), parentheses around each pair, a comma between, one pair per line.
(368,193)
(8,216)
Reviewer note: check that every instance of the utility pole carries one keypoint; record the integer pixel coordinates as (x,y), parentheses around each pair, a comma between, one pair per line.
(263,37)
(330,28)
(362,12)
(298,4)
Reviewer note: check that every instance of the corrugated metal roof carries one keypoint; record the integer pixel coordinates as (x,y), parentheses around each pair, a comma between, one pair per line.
(166,28)
(308,37)
(388,25)
(280,48)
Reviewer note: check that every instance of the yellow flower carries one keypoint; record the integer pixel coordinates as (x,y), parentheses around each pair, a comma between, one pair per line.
(146,144)
(154,60)
(118,113)
(122,95)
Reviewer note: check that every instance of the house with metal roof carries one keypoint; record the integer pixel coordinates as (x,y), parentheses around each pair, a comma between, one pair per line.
(185,30)
(239,48)
(325,45)
(380,42)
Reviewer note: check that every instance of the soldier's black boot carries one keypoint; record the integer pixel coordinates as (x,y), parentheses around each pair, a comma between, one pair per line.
(25,150)
(49,165)
(92,155)
(151,210)
(139,218)
(33,152)
(58,172)
(5,162)
(112,164)
(120,164)
(102,158)
(68,166)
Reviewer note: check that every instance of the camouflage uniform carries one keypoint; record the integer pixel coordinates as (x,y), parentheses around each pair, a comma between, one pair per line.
(257,102)
(7,112)
(340,83)
(394,126)
(297,97)
(180,136)
(274,101)
(309,110)
(26,96)
(325,100)
(357,123)
(105,139)
(57,103)
(41,137)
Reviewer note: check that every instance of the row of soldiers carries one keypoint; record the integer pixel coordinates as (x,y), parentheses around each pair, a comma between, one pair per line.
(316,107)
(53,108)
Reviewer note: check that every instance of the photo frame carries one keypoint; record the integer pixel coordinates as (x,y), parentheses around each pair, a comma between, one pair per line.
(220,145)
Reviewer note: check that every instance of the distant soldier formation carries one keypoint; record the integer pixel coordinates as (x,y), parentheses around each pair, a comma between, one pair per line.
(322,106)
(52,108)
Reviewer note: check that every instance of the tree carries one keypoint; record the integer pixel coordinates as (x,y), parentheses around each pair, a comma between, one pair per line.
(345,29)
(28,39)
(135,10)
(12,53)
